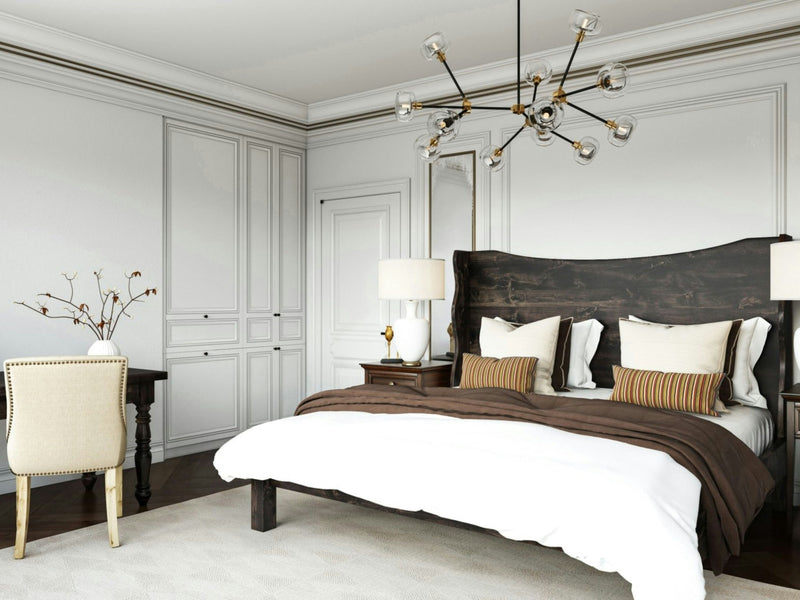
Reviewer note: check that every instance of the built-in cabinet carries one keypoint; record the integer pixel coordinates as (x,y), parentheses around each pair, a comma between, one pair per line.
(234,275)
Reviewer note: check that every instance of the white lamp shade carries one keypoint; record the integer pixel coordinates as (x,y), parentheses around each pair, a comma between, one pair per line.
(784,271)
(411,279)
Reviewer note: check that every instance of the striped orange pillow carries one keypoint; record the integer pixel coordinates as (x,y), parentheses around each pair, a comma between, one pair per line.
(512,373)
(690,392)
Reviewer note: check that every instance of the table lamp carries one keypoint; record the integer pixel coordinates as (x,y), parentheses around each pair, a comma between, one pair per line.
(412,280)
(784,276)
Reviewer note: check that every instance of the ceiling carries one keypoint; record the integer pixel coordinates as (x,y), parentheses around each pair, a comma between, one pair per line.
(315,50)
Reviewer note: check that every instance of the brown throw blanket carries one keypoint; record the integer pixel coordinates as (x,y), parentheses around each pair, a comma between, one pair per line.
(734,481)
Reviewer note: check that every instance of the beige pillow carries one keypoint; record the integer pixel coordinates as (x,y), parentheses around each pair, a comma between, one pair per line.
(676,349)
(500,339)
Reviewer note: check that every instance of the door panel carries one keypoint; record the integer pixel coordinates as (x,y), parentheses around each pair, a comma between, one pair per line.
(356,233)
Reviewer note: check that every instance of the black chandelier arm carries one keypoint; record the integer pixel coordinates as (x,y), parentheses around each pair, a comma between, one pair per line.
(453,77)
(511,139)
(578,91)
(533,98)
(586,112)
(463,110)
(571,57)
(566,139)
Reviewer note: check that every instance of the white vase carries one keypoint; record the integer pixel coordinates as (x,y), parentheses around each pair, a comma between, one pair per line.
(104,348)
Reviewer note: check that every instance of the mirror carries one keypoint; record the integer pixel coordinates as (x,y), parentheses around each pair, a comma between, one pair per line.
(451,181)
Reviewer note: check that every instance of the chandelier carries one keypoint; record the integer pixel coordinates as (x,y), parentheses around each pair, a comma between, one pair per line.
(543,116)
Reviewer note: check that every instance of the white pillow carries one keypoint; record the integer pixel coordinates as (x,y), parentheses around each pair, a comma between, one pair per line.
(674,348)
(583,343)
(500,339)
(752,337)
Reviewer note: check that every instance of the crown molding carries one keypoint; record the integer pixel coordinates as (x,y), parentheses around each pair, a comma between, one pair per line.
(699,35)
(40,42)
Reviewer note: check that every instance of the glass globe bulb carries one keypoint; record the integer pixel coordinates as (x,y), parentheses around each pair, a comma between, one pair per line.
(492,158)
(547,114)
(404,106)
(589,23)
(538,72)
(433,45)
(445,124)
(619,135)
(542,137)
(586,150)
(612,79)
(427,147)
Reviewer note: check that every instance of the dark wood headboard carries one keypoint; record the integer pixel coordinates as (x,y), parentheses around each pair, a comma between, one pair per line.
(714,284)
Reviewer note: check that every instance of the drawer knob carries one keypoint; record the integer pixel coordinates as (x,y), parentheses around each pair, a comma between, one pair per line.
(391,383)
(205,353)
(205,316)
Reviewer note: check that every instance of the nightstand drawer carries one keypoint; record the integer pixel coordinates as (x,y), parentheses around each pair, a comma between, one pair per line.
(796,420)
(385,379)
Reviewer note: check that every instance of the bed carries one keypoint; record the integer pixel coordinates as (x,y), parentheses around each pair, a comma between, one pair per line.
(475,472)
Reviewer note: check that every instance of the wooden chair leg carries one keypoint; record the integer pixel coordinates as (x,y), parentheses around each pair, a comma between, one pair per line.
(119,491)
(111,507)
(23,512)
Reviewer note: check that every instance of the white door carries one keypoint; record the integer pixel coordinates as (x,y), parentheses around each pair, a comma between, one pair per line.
(356,232)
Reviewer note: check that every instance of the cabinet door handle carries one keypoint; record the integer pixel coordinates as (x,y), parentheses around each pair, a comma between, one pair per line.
(277,348)
(205,353)
(205,316)
(276,314)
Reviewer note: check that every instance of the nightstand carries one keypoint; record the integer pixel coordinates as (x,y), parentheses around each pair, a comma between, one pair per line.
(431,373)
(791,398)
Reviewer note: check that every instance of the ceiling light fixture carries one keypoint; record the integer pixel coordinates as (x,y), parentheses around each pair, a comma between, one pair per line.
(543,116)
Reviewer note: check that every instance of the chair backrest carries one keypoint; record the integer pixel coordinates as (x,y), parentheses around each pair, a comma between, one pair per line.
(65,414)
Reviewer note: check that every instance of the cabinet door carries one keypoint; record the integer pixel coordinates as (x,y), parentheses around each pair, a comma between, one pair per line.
(291,368)
(202,219)
(289,253)
(259,381)
(202,401)
(258,228)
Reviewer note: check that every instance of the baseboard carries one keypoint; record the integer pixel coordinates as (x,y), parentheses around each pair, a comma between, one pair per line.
(8,483)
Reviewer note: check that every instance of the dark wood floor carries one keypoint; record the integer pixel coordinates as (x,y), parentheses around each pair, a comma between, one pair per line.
(770,554)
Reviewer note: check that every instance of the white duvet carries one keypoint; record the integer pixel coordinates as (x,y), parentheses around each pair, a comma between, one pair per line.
(614,506)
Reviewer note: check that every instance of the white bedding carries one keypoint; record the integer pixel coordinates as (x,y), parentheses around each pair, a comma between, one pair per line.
(750,424)
(614,506)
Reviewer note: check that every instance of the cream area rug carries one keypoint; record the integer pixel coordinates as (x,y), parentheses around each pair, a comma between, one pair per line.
(321,549)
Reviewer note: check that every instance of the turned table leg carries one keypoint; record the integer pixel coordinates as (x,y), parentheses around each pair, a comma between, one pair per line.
(143,457)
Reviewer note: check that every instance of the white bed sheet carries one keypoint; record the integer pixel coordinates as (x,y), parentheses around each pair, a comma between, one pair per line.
(614,506)
(750,424)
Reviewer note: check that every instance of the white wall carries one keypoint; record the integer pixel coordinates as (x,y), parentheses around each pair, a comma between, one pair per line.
(81,191)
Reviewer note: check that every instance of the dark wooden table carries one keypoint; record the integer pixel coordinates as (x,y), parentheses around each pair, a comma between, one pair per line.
(141,393)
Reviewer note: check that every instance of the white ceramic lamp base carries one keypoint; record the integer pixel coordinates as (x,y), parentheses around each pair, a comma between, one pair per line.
(411,335)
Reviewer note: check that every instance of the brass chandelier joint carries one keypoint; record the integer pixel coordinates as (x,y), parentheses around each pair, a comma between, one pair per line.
(580,36)
(466,105)
(611,124)
(560,96)
(518,109)
(440,55)
(416,106)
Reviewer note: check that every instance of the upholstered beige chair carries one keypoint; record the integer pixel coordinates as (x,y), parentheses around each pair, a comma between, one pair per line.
(66,415)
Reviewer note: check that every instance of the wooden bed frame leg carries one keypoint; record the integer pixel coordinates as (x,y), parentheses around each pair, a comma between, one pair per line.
(262,505)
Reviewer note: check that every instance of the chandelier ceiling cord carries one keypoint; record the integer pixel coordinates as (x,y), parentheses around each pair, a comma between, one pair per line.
(543,117)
